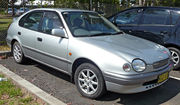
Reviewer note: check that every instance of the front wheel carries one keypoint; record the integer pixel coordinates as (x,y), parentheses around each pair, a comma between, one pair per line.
(175,53)
(18,53)
(89,81)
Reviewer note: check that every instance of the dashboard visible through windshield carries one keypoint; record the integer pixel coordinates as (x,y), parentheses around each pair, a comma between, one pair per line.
(84,24)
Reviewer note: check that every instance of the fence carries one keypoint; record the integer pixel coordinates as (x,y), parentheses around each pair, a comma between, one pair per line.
(6,18)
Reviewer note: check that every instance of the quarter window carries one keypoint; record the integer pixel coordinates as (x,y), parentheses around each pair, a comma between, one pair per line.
(32,21)
(128,17)
(50,21)
(155,16)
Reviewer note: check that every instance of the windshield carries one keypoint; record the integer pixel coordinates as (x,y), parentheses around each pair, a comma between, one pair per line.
(82,24)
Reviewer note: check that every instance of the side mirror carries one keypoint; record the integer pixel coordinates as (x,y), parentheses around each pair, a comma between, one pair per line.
(58,32)
(114,22)
(101,13)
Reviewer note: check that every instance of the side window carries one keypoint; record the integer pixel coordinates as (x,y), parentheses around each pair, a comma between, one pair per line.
(50,21)
(175,17)
(32,21)
(22,20)
(155,16)
(128,17)
(111,19)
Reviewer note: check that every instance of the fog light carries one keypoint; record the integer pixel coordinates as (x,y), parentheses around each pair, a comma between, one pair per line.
(126,67)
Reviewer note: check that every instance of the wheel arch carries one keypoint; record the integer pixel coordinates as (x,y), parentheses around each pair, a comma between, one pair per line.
(172,45)
(12,42)
(78,62)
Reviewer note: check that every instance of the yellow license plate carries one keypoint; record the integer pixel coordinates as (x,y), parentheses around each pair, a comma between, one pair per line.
(163,77)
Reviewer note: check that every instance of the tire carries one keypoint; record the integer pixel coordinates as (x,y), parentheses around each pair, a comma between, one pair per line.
(95,77)
(18,53)
(175,53)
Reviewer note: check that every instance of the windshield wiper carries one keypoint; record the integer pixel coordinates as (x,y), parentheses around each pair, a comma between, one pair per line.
(105,33)
(101,34)
(121,32)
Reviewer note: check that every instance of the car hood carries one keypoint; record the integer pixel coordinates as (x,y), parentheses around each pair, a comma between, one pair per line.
(129,47)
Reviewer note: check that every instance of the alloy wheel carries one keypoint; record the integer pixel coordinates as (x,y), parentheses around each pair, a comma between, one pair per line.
(175,57)
(88,81)
(17,53)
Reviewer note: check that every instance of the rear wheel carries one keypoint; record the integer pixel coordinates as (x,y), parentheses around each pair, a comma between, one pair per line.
(89,81)
(175,53)
(18,53)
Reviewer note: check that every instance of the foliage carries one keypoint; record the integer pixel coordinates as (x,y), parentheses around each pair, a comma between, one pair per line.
(173,3)
(11,95)
(4,23)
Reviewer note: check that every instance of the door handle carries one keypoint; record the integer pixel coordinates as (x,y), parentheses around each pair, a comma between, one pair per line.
(163,32)
(19,33)
(39,39)
(130,31)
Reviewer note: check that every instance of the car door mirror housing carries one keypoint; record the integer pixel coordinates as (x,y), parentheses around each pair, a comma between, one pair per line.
(58,32)
(114,22)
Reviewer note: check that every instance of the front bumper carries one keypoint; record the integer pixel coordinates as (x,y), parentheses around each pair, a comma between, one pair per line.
(134,83)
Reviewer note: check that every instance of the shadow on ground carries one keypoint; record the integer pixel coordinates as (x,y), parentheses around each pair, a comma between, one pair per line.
(49,70)
(152,97)
(160,95)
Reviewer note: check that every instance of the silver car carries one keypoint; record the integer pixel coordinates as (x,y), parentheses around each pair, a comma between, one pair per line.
(89,48)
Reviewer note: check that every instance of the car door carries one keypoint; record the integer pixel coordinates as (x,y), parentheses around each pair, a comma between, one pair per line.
(51,49)
(29,25)
(128,20)
(155,25)
(176,23)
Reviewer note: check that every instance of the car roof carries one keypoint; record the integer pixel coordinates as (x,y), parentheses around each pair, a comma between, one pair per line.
(156,7)
(63,9)
(159,7)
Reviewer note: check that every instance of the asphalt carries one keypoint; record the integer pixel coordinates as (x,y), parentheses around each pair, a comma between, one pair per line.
(59,85)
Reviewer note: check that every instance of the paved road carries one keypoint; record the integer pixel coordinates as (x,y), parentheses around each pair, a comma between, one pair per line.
(59,85)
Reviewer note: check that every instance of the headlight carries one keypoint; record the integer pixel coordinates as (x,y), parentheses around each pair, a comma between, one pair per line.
(138,65)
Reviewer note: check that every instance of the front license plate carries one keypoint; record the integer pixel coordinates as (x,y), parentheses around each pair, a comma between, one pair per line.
(163,77)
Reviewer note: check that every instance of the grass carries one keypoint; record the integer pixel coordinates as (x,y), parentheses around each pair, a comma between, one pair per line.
(5,21)
(11,95)
(5,48)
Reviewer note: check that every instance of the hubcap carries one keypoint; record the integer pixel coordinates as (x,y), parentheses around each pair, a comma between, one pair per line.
(175,57)
(88,81)
(17,52)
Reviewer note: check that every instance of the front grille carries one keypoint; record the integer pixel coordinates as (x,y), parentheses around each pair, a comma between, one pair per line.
(160,64)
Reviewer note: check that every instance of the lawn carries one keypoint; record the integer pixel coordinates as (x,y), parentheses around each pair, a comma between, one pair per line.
(5,48)
(5,21)
(11,95)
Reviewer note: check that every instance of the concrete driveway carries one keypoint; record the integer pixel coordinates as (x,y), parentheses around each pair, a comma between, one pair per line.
(59,85)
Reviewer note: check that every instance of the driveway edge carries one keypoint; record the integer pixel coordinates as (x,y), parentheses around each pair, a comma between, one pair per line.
(5,53)
(29,88)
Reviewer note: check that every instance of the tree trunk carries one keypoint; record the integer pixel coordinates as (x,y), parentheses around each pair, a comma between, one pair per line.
(140,2)
(13,12)
(144,2)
